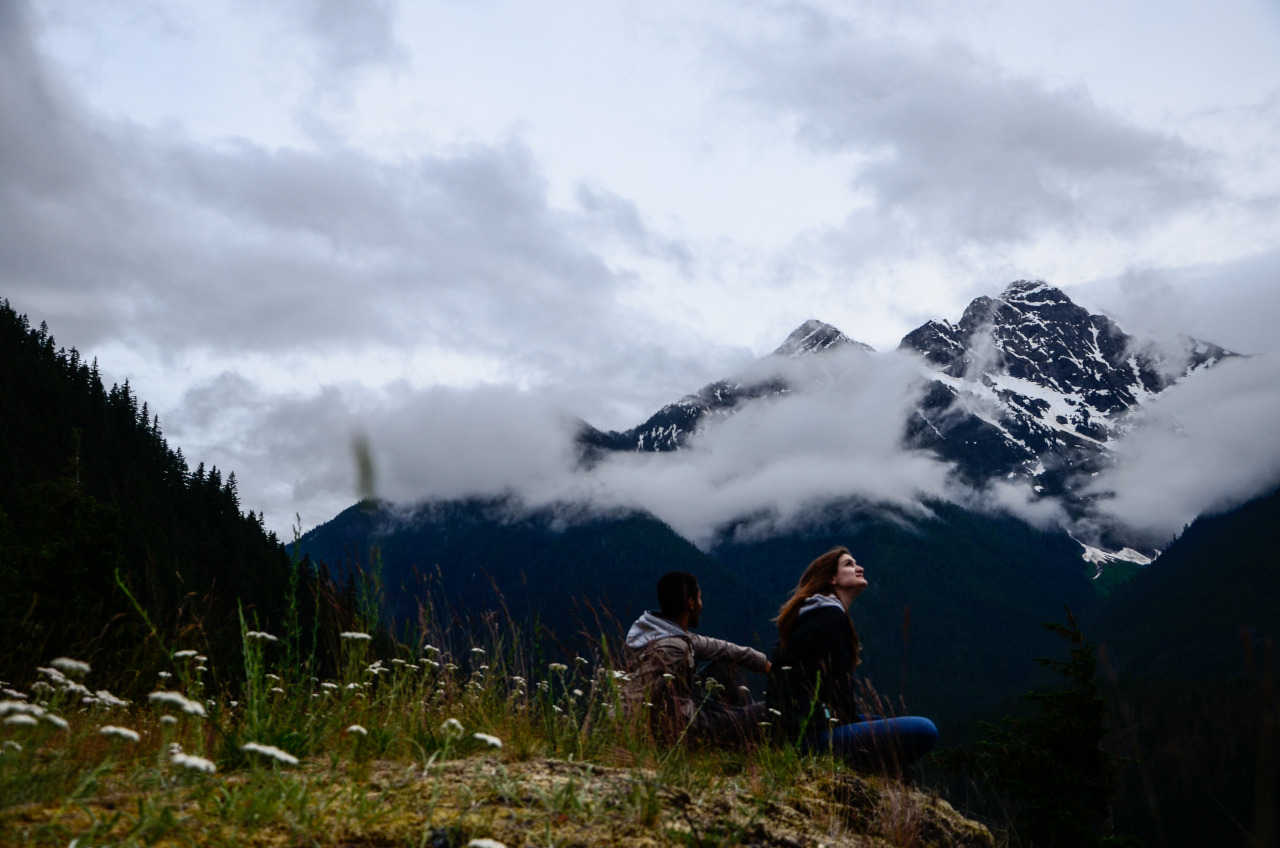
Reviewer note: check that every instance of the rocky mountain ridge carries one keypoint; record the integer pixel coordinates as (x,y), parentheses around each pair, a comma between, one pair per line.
(1027,385)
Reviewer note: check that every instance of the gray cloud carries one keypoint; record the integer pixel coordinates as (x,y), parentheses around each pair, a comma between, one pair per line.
(1205,445)
(775,460)
(351,34)
(1232,303)
(950,145)
(115,231)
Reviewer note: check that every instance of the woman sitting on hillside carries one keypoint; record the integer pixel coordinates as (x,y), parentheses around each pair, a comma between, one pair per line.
(811,693)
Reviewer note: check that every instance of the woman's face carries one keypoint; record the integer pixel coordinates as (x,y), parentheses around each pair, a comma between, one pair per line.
(848,580)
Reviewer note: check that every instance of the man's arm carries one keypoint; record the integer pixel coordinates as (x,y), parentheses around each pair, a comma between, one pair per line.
(706,648)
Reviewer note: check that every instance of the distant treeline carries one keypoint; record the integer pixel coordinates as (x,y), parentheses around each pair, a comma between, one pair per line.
(89,489)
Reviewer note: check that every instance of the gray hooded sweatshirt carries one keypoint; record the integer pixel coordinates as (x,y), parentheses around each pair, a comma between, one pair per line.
(662,657)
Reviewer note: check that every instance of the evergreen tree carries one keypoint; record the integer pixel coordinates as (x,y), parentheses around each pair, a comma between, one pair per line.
(1050,767)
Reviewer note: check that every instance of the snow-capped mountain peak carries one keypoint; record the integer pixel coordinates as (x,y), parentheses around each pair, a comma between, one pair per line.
(814,336)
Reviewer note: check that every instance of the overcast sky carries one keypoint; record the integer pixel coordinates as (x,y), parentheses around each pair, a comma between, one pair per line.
(454,227)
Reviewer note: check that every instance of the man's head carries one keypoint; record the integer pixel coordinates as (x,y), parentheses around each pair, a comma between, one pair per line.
(678,596)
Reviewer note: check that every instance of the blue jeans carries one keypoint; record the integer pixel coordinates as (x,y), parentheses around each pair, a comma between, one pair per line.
(885,744)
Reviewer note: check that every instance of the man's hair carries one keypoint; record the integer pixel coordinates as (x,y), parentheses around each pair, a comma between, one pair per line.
(675,588)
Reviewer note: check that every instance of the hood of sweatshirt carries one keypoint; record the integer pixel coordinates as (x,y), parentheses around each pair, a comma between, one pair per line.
(816,602)
(649,627)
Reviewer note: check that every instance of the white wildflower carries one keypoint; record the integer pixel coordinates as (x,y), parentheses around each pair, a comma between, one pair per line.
(53,674)
(485,843)
(10,745)
(168,719)
(178,700)
(182,655)
(120,732)
(56,721)
(76,688)
(353,685)
(201,668)
(38,686)
(110,700)
(201,658)
(775,712)
(7,707)
(259,636)
(491,741)
(668,677)
(66,665)
(165,675)
(577,693)
(328,685)
(355,636)
(22,720)
(190,761)
(397,661)
(431,649)
(270,751)
(620,675)
(452,728)
(272,676)
(580,660)
(477,650)
(356,730)
(558,667)
(276,689)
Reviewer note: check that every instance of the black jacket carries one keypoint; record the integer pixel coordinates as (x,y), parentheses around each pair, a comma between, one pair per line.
(811,678)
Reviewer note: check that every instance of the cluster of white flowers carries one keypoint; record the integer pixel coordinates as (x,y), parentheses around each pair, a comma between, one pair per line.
(177,699)
(485,843)
(270,751)
(119,732)
(182,655)
(558,667)
(75,668)
(259,636)
(61,681)
(620,675)
(354,636)
(23,714)
(190,761)
(356,730)
(452,728)
(491,741)
(103,698)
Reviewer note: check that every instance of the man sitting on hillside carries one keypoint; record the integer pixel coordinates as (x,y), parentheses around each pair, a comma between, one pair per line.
(661,658)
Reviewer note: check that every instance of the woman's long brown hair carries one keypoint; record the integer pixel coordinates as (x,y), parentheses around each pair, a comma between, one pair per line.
(816,580)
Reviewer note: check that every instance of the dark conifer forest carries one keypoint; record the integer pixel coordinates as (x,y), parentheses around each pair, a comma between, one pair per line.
(93,501)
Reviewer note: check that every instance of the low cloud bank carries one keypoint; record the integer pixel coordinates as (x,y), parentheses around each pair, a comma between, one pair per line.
(1209,443)
(1205,445)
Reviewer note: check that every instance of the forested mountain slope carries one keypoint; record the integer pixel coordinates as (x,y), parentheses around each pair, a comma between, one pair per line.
(89,488)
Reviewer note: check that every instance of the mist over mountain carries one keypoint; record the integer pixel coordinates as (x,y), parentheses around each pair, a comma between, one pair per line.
(1019,406)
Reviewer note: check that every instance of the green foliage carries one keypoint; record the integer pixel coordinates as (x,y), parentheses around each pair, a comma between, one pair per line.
(1051,766)
(88,489)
